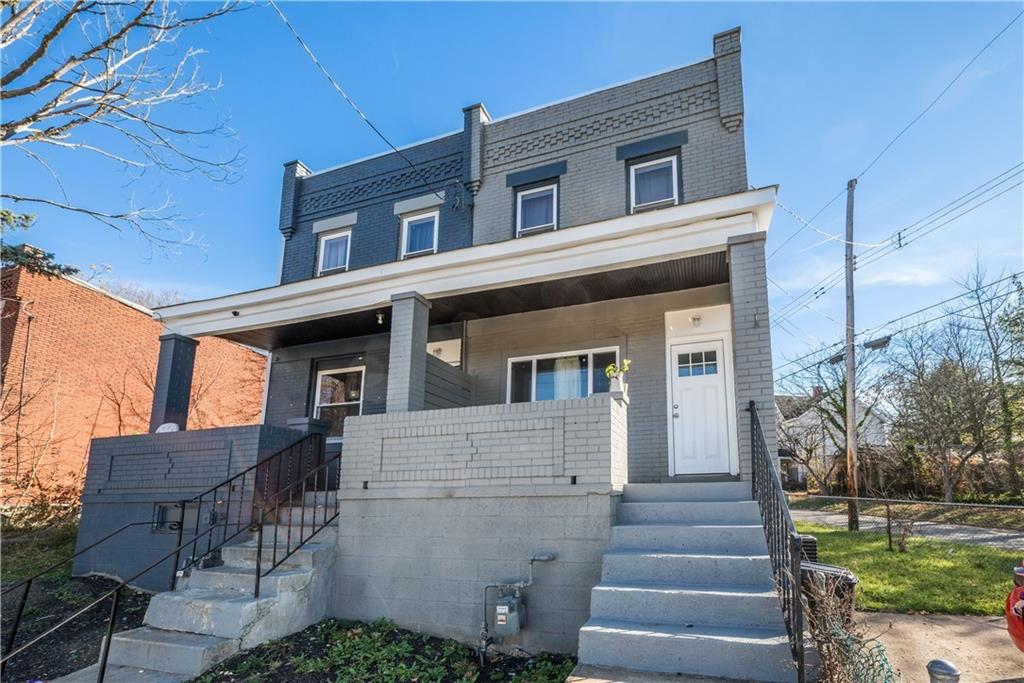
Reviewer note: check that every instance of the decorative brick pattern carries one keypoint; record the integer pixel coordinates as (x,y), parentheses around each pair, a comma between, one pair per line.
(545,443)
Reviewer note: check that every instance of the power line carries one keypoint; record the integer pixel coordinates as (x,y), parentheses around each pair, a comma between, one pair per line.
(903,131)
(829,237)
(908,234)
(351,103)
(875,329)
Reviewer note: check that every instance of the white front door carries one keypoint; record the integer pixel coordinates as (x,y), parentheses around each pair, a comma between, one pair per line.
(700,423)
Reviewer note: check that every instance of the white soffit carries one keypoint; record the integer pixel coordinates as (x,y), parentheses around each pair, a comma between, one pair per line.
(649,237)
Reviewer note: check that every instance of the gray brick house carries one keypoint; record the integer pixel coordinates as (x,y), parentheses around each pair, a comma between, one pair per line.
(446,327)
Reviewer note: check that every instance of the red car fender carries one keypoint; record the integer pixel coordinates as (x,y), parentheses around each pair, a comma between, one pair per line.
(1015,612)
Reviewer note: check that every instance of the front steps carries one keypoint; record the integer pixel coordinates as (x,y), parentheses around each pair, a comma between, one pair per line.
(212,614)
(687,588)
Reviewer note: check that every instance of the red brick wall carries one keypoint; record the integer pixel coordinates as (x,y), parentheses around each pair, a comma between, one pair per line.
(89,372)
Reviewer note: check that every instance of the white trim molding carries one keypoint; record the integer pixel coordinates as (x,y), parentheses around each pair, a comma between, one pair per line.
(427,201)
(668,201)
(635,240)
(520,194)
(561,354)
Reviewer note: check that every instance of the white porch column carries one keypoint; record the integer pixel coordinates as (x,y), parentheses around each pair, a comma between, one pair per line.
(407,362)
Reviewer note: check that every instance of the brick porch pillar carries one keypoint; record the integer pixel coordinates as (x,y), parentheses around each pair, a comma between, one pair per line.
(173,386)
(407,362)
(751,339)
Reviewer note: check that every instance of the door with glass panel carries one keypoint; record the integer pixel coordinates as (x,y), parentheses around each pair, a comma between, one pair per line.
(700,426)
(339,394)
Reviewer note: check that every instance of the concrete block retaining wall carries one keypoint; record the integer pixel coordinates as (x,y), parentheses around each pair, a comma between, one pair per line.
(458,499)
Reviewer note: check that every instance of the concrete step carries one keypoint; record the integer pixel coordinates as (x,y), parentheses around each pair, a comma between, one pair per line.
(313,498)
(307,515)
(709,569)
(728,512)
(219,612)
(728,652)
(155,649)
(243,579)
(686,604)
(695,491)
(729,539)
(309,555)
(296,535)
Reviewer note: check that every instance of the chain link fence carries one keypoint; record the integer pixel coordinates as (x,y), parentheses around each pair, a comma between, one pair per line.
(997,526)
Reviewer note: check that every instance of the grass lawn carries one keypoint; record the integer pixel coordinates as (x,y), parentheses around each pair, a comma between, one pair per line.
(355,652)
(932,576)
(29,552)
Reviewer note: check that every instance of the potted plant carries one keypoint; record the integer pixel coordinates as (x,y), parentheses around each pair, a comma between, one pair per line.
(616,373)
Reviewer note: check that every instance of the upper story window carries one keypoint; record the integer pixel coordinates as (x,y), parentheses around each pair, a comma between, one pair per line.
(571,374)
(334,249)
(339,393)
(419,234)
(654,183)
(537,209)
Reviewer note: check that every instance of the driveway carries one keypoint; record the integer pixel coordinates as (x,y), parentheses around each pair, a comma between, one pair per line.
(978,646)
(997,538)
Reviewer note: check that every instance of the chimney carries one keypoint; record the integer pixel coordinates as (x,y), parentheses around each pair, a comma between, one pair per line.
(294,171)
(730,79)
(475,116)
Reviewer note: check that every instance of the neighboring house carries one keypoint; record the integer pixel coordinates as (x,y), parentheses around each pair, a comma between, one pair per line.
(79,363)
(806,437)
(447,327)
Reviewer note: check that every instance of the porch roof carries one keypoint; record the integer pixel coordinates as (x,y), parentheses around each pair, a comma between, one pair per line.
(665,250)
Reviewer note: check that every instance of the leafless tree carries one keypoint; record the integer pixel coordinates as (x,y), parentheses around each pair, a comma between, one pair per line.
(803,440)
(108,78)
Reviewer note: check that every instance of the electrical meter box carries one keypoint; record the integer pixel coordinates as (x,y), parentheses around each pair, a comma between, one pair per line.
(509,615)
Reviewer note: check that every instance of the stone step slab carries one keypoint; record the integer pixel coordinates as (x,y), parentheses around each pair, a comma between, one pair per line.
(686,604)
(208,611)
(720,512)
(653,566)
(727,539)
(155,649)
(687,492)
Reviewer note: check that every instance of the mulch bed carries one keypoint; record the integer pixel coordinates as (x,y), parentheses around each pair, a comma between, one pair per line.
(77,644)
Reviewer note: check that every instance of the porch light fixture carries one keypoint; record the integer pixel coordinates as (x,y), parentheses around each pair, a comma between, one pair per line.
(380,318)
(695,320)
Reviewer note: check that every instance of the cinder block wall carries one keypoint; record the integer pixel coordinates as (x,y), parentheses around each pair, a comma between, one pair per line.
(458,499)
(128,475)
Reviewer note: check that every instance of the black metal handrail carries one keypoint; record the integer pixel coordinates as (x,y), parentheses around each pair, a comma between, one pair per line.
(259,482)
(291,467)
(783,539)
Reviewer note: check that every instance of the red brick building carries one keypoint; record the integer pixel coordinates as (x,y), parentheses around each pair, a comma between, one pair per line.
(78,363)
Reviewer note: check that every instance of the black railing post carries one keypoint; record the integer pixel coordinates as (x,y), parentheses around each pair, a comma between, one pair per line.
(177,544)
(17,620)
(102,669)
(259,549)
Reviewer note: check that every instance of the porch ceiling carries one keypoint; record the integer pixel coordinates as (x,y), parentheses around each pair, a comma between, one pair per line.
(655,278)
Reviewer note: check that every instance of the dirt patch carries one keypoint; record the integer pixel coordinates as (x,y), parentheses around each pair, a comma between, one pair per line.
(77,644)
(979,646)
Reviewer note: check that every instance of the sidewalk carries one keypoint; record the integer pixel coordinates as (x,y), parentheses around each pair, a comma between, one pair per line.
(996,538)
(978,646)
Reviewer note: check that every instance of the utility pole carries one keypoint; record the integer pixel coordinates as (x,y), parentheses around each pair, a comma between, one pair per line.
(853,517)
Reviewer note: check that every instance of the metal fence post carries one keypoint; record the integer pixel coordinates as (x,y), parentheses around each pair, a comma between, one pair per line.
(888,524)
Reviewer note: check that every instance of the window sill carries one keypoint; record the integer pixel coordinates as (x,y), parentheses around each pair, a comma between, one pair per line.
(332,271)
(654,206)
(536,231)
(417,254)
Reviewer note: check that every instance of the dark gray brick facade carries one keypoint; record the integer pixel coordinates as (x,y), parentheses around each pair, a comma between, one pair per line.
(129,476)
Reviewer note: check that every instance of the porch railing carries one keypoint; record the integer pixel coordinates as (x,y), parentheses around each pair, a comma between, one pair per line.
(783,539)
(258,494)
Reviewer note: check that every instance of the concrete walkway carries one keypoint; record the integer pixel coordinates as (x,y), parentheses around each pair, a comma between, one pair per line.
(996,538)
(979,646)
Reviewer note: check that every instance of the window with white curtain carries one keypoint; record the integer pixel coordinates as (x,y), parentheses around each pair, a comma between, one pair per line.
(554,376)
(419,234)
(537,209)
(654,183)
(334,250)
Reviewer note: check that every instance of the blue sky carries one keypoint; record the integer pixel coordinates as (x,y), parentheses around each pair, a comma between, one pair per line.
(826,86)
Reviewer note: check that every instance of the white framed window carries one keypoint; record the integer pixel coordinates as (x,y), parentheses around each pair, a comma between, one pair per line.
(419,233)
(654,183)
(334,248)
(339,394)
(552,376)
(537,209)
